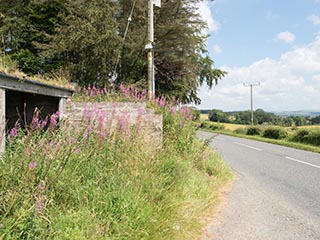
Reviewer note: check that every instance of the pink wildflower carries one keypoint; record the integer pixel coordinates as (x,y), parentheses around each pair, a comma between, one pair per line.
(53,119)
(104,134)
(13,132)
(140,111)
(89,128)
(35,124)
(125,91)
(32,165)
(78,150)
(58,145)
(101,119)
(161,101)
(123,120)
(173,110)
(39,205)
(42,186)
(85,136)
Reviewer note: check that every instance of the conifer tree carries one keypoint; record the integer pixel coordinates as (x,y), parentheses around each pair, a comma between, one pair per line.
(181,59)
(87,39)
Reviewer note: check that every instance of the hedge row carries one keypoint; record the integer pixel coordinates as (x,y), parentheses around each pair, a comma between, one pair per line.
(308,136)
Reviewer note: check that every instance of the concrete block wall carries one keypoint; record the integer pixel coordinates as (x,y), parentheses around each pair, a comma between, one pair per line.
(135,113)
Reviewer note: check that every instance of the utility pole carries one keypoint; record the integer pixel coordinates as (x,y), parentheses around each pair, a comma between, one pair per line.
(150,46)
(251,85)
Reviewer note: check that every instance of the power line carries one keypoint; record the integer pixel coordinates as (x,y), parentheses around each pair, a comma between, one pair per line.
(251,85)
(114,72)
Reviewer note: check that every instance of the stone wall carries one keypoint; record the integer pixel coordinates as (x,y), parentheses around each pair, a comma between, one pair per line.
(135,113)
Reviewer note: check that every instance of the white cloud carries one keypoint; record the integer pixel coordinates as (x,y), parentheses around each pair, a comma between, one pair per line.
(291,82)
(314,19)
(206,14)
(217,49)
(304,59)
(286,37)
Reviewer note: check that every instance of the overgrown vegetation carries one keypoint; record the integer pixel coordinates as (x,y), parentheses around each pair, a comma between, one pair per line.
(9,67)
(90,181)
(309,136)
(252,131)
(275,133)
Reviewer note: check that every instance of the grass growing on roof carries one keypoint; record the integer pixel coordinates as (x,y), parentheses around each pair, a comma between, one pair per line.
(9,67)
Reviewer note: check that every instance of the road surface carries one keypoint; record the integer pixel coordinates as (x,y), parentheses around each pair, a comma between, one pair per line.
(276,194)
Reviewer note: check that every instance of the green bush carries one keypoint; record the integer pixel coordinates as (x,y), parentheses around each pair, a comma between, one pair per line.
(212,126)
(205,125)
(309,136)
(299,135)
(253,130)
(275,133)
(313,138)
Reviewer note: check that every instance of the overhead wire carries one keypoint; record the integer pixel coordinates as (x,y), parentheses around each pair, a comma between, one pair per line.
(114,72)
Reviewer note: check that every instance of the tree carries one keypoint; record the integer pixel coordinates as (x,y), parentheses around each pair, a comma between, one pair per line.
(299,120)
(87,40)
(243,117)
(315,120)
(26,25)
(260,117)
(181,60)
(217,115)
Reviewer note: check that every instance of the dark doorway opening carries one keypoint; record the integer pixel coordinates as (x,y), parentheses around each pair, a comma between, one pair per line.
(20,106)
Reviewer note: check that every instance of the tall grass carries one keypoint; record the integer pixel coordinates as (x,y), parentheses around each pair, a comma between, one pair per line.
(90,181)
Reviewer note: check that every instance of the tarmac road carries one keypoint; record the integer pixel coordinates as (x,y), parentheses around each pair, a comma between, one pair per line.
(276,194)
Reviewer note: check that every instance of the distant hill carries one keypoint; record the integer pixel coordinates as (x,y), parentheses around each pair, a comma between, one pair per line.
(298,113)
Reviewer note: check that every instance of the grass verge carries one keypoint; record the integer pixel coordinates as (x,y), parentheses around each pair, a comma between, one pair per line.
(88,181)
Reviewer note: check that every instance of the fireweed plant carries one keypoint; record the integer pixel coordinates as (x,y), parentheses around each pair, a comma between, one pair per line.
(100,179)
(113,94)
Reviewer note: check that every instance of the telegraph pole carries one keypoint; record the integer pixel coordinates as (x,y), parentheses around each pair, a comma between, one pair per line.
(251,85)
(149,47)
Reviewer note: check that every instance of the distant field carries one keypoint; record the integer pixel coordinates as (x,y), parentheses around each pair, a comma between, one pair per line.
(204,116)
(232,127)
(312,126)
(227,126)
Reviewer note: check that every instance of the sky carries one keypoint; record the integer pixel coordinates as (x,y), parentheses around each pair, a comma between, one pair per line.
(272,42)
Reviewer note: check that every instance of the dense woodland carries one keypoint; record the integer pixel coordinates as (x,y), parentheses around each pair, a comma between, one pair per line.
(86,41)
(260,117)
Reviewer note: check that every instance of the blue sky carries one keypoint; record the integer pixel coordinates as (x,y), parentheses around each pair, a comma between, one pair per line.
(276,43)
